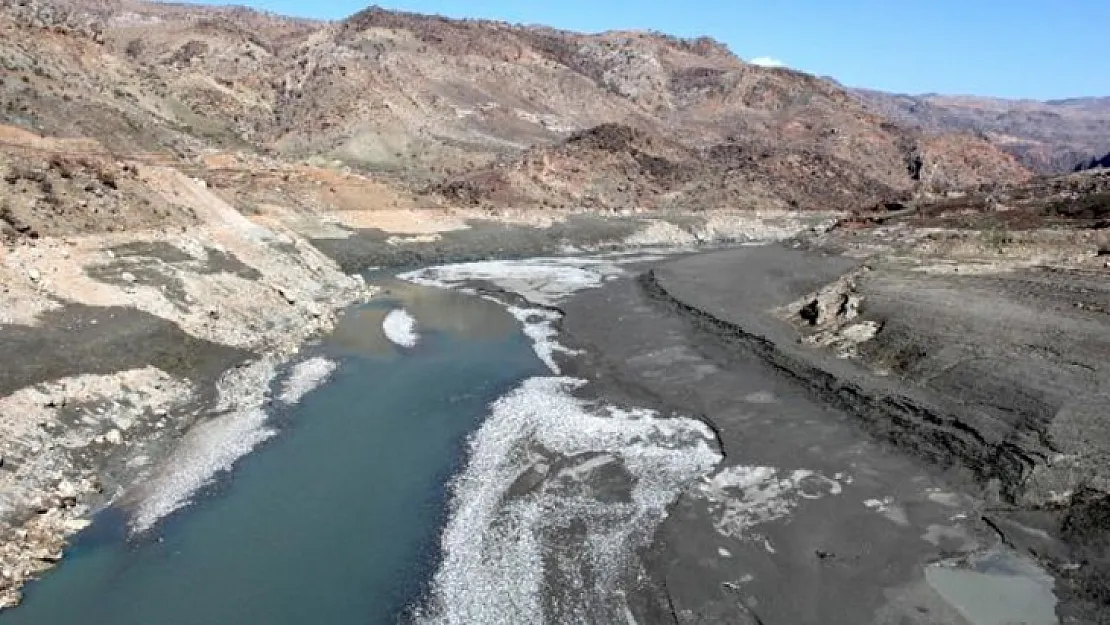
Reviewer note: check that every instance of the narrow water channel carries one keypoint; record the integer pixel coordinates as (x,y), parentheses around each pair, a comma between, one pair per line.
(334,521)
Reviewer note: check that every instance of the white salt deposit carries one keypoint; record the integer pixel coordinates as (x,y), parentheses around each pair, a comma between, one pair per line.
(400,328)
(539,325)
(497,567)
(211,447)
(889,509)
(741,498)
(494,560)
(544,281)
(306,377)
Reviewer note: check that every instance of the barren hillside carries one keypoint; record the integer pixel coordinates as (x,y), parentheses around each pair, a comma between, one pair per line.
(1049,137)
(429,103)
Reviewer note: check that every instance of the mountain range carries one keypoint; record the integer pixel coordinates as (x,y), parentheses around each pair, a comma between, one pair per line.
(442,111)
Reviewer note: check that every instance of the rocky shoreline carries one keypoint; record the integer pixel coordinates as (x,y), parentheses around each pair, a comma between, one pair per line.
(129,342)
(173,340)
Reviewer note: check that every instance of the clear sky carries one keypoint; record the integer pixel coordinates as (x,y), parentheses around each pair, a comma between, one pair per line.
(1008,48)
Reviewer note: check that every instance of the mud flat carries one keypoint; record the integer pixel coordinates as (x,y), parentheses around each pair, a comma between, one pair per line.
(890,436)
(724,439)
(472,236)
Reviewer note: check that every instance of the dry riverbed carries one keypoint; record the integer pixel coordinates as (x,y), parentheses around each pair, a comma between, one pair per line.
(992,382)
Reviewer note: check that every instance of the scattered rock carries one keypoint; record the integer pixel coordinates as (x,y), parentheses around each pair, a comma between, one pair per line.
(860,332)
(76,525)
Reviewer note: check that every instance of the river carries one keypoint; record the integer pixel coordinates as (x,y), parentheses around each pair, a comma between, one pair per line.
(336,519)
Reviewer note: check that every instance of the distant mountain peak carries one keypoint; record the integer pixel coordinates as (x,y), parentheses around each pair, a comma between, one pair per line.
(1049,137)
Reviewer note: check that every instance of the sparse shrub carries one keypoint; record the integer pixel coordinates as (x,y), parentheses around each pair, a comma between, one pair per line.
(60,165)
(188,52)
(107,178)
(134,48)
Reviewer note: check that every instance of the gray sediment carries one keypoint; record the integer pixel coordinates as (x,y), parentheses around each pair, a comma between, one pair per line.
(997,430)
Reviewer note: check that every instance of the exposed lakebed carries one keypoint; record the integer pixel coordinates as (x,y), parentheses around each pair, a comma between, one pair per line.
(448,473)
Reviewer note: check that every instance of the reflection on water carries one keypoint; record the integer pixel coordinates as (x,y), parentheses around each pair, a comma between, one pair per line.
(996,588)
(462,316)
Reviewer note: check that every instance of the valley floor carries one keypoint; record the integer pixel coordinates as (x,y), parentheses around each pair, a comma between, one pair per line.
(888,401)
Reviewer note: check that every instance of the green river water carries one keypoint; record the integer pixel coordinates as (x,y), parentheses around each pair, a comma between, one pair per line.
(336,520)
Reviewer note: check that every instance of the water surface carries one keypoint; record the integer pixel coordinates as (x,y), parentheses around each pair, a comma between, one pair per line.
(334,521)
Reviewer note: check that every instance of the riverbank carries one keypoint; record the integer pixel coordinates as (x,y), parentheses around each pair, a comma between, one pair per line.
(344,503)
(122,344)
(938,419)
(795,513)
(147,358)
(864,475)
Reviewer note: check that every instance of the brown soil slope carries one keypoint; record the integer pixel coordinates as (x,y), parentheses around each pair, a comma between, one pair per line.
(423,99)
(1050,137)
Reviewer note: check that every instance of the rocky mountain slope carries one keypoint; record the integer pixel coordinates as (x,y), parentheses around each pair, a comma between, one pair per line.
(614,166)
(420,100)
(1049,137)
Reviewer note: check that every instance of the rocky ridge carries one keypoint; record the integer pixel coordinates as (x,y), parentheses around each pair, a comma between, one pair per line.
(1049,137)
(422,99)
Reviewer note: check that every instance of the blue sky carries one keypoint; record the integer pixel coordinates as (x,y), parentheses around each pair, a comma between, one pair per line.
(1018,48)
